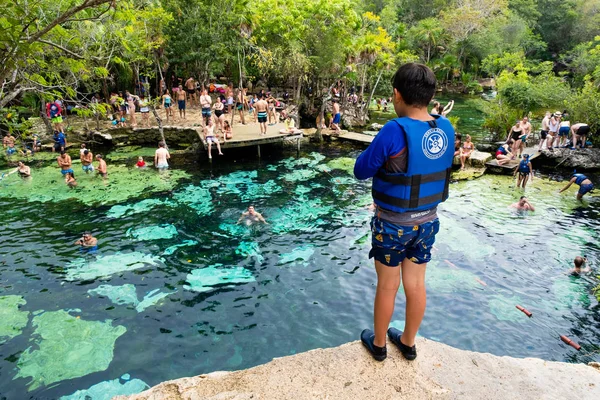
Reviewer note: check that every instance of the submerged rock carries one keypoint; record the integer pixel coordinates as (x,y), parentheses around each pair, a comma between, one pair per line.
(12,320)
(66,347)
(155,232)
(108,389)
(204,279)
(170,250)
(127,294)
(302,253)
(106,265)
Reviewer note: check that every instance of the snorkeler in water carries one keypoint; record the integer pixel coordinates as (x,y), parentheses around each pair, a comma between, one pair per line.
(251,216)
(580,262)
(87,241)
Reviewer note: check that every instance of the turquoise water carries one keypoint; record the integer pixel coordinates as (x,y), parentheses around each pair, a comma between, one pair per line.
(470,122)
(178,289)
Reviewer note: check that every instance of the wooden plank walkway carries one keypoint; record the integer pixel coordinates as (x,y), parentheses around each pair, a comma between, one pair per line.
(350,136)
(249,135)
(510,167)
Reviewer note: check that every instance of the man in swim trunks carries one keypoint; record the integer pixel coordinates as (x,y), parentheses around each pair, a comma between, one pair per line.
(337,117)
(87,241)
(261,107)
(181,95)
(544,130)
(190,88)
(161,156)
(251,216)
(523,205)
(585,185)
(102,170)
(579,131)
(86,161)
(239,105)
(205,103)
(526,126)
(64,162)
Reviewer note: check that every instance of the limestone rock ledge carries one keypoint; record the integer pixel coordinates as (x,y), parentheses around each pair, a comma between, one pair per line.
(348,372)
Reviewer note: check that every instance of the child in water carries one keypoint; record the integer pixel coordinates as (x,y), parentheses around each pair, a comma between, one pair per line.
(70,180)
(140,163)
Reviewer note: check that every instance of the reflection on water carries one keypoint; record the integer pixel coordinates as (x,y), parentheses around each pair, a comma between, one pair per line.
(177,288)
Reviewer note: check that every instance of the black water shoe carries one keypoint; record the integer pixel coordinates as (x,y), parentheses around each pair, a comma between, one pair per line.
(410,353)
(367,337)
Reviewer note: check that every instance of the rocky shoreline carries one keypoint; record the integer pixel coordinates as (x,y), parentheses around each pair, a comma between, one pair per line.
(348,372)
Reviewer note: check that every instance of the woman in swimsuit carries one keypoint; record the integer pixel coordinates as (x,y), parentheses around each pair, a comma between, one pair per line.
(437,108)
(145,110)
(167,102)
(219,107)
(466,151)
(515,135)
(272,114)
(209,136)
(131,107)
(503,154)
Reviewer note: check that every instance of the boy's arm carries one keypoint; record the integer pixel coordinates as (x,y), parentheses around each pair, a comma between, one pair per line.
(566,187)
(374,157)
(168,155)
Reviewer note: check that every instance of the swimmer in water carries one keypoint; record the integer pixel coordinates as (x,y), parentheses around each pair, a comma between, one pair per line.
(23,170)
(87,241)
(523,205)
(580,262)
(70,180)
(251,216)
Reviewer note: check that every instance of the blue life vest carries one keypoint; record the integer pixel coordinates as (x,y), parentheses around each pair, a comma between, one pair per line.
(579,178)
(524,166)
(424,185)
(61,138)
(502,149)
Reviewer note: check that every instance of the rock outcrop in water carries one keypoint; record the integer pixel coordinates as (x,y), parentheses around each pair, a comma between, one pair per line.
(348,372)
(581,159)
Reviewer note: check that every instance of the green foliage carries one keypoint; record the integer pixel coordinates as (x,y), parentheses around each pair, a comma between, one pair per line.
(584,105)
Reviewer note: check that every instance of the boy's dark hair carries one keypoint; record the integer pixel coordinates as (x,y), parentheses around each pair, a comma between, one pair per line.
(98,155)
(416,84)
(458,136)
(86,152)
(578,261)
(523,197)
(62,152)
(161,144)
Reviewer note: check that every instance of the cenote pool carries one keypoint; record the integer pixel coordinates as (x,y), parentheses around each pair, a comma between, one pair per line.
(178,289)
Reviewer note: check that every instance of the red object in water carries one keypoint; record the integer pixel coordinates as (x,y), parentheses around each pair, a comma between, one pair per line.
(570,342)
(524,311)
(482,283)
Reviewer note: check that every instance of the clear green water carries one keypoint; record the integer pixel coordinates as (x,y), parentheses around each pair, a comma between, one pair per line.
(178,289)
(471,119)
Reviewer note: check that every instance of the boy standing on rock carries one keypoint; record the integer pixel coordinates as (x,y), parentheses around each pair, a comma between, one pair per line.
(410,161)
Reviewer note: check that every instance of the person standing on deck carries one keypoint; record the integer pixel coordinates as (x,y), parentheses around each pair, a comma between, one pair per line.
(190,88)
(261,107)
(544,131)
(553,125)
(205,103)
(239,104)
(526,126)
(181,95)
(410,161)
(337,116)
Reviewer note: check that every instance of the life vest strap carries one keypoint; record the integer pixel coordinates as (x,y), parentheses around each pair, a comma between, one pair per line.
(408,181)
(408,204)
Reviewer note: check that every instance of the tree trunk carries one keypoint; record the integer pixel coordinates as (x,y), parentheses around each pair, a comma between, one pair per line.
(44,117)
(160,126)
(365,109)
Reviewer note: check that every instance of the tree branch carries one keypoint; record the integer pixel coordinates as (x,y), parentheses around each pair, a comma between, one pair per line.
(69,52)
(66,17)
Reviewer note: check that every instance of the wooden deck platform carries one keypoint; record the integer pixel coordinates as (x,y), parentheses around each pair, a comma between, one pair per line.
(249,135)
(510,167)
(349,136)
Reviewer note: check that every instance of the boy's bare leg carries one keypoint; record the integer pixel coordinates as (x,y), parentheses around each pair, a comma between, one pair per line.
(413,276)
(388,282)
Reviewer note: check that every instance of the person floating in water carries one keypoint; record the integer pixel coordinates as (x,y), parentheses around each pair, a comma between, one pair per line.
(525,170)
(161,155)
(523,205)
(410,161)
(580,262)
(251,216)
(23,170)
(585,185)
(87,242)
(70,180)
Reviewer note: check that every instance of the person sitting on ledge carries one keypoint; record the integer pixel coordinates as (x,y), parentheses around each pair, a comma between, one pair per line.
(466,151)
(457,143)
(503,154)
